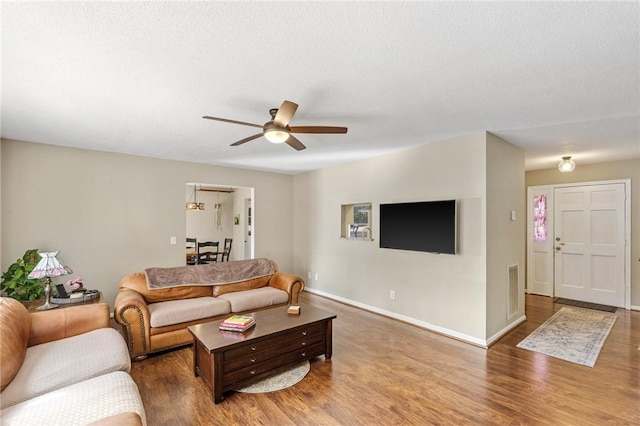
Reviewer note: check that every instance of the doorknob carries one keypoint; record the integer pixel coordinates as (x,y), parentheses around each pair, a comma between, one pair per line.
(557,238)
(558,247)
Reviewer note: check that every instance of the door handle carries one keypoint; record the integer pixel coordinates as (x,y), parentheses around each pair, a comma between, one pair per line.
(558,248)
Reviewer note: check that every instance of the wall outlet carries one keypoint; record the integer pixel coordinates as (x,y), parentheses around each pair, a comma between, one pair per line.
(172,240)
(316,276)
(392,294)
(309,275)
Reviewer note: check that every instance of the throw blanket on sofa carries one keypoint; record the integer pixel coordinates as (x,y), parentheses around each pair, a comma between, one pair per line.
(210,274)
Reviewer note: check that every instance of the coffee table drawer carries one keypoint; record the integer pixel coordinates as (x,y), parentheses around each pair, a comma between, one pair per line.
(265,343)
(236,377)
(273,351)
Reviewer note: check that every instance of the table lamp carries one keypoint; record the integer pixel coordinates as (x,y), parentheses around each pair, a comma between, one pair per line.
(48,267)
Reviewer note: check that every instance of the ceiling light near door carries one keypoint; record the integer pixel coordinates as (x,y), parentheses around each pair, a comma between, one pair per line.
(566,165)
(195,205)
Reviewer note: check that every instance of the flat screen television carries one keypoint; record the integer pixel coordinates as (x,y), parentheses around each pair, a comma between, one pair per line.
(428,226)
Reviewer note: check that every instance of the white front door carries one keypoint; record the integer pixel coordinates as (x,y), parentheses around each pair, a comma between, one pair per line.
(589,243)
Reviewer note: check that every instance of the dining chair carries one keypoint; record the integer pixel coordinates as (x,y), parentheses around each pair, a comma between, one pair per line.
(227,249)
(208,252)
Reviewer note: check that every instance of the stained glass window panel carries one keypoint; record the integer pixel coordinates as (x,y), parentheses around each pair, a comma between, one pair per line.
(540,218)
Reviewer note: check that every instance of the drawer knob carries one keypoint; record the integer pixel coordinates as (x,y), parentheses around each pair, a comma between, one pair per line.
(304,343)
(253,348)
(304,333)
(304,354)
(253,360)
(253,372)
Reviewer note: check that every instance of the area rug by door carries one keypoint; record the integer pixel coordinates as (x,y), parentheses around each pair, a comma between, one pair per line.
(573,334)
(279,381)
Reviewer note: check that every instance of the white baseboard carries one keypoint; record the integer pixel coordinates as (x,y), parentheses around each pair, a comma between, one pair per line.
(505,330)
(412,321)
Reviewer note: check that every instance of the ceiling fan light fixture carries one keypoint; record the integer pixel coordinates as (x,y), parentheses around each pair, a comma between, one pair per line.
(566,165)
(276,135)
(277,129)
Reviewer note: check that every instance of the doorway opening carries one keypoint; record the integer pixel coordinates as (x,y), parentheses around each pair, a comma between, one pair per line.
(223,218)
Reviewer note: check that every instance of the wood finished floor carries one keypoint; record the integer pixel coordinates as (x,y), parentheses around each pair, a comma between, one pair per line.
(385,372)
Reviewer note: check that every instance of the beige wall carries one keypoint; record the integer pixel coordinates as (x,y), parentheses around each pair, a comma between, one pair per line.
(238,246)
(505,237)
(626,169)
(445,292)
(1,237)
(112,214)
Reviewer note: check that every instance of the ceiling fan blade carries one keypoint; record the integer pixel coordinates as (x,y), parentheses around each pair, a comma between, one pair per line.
(226,120)
(285,113)
(250,138)
(317,129)
(295,143)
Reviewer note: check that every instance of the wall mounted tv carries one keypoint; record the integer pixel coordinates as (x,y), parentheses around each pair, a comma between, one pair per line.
(428,226)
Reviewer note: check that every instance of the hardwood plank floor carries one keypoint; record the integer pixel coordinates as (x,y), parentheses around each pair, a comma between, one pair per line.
(385,372)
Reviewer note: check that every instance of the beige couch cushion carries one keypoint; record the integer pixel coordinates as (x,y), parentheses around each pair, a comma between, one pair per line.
(15,323)
(179,311)
(54,365)
(255,299)
(79,404)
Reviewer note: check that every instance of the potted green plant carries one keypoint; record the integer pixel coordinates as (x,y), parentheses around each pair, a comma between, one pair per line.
(16,282)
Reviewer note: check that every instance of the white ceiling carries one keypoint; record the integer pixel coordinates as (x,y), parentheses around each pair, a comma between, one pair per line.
(553,78)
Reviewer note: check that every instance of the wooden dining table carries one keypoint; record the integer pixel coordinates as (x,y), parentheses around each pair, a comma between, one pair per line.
(192,257)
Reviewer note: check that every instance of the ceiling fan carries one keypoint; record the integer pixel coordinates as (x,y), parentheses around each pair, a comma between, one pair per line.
(277,130)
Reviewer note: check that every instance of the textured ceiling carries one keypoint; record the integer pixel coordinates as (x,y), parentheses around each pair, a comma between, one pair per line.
(136,77)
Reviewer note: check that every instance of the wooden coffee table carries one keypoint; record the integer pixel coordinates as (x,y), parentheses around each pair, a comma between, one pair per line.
(227,360)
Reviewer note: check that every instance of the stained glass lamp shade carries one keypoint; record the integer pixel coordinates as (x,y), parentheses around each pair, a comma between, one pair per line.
(49,266)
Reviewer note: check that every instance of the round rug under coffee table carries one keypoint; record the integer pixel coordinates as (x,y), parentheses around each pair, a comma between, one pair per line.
(280,381)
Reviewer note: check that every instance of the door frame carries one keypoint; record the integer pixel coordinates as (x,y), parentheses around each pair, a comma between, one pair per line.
(627,231)
(532,285)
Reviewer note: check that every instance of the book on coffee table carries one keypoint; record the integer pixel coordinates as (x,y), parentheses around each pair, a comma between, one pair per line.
(237,323)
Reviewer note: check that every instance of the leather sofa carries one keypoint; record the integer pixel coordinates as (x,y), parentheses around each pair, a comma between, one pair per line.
(156,319)
(65,367)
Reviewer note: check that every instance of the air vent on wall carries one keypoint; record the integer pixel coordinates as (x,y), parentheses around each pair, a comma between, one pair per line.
(513,297)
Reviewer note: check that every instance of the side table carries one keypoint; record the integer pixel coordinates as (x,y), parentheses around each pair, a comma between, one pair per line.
(32,305)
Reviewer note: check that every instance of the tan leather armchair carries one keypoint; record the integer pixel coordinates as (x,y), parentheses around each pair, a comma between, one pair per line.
(21,330)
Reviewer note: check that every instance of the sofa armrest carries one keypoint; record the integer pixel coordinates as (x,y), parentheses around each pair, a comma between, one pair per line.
(292,284)
(56,324)
(131,311)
